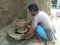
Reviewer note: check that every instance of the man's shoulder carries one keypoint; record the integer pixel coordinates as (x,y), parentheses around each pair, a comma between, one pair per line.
(39,14)
(42,12)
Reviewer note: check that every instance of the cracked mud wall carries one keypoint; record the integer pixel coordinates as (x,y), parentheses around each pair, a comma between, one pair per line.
(6,12)
(11,9)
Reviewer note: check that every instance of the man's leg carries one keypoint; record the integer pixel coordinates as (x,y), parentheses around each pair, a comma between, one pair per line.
(38,37)
(41,32)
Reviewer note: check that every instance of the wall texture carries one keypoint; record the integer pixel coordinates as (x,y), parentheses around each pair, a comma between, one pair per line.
(10,9)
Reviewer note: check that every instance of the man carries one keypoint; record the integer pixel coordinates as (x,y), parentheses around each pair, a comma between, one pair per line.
(40,18)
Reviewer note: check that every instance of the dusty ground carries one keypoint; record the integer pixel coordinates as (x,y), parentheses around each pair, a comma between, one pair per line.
(7,40)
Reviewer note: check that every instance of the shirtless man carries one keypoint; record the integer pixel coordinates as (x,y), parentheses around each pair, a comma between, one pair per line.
(42,19)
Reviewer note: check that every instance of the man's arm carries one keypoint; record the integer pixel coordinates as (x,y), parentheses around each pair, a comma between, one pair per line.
(31,31)
(33,27)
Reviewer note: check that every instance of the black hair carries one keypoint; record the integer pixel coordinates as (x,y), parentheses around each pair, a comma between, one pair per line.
(33,7)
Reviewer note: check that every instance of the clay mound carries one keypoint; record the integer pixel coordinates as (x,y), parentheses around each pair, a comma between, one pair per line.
(16,36)
(22,24)
(21,30)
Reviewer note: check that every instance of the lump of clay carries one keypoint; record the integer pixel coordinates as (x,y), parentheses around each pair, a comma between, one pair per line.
(22,28)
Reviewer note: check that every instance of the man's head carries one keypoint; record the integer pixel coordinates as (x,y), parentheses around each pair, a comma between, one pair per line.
(33,8)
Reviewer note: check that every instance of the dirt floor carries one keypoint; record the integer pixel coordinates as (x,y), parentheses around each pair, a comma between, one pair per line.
(5,39)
